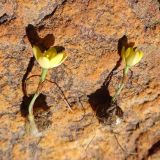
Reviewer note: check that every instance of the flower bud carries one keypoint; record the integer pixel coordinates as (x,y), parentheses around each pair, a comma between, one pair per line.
(130,56)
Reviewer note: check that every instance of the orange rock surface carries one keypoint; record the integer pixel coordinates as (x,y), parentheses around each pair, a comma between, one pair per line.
(90,32)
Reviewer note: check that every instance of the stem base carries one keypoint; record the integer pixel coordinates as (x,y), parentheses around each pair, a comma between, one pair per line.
(33,130)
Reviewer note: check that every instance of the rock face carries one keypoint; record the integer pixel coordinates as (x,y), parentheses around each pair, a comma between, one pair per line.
(91,33)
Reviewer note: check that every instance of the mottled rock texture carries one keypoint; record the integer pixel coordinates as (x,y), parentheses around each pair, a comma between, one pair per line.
(91,32)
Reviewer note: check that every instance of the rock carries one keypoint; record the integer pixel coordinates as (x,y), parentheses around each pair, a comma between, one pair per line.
(90,32)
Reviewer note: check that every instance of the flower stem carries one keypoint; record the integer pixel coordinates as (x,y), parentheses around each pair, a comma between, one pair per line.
(125,71)
(33,127)
(43,74)
(117,92)
(121,86)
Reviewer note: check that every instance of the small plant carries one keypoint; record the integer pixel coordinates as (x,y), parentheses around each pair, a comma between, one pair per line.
(48,59)
(130,57)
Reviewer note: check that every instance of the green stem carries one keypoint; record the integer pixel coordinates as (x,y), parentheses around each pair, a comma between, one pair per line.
(43,74)
(126,69)
(32,103)
(118,91)
(33,127)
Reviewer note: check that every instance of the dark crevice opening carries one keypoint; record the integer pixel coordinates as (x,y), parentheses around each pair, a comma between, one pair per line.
(155,148)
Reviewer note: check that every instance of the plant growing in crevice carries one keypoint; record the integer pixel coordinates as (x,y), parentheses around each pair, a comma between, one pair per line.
(48,59)
(130,56)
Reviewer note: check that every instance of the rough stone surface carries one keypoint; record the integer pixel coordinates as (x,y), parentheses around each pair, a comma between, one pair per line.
(90,32)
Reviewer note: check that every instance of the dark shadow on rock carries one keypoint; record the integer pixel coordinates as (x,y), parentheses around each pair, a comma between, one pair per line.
(40,104)
(40,109)
(101,103)
(154,149)
(59,49)
(28,70)
(42,43)
(100,100)
(123,41)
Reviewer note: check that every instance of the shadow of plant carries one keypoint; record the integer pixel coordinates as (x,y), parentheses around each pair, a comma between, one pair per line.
(33,37)
(41,110)
(100,100)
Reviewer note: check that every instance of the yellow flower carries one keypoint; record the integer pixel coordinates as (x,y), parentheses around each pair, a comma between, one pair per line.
(49,58)
(131,57)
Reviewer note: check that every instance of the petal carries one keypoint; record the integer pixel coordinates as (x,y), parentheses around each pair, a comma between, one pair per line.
(140,55)
(44,62)
(136,59)
(64,57)
(128,52)
(133,58)
(57,60)
(123,54)
(50,53)
(37,52)
(130,59)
